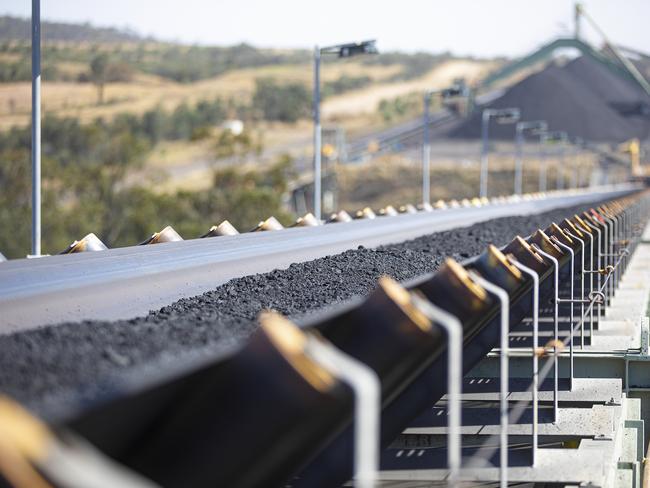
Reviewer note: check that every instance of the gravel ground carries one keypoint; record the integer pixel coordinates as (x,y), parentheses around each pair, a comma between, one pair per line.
(45,368)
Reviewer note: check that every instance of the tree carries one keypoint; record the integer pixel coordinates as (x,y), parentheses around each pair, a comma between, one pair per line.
(15,202)
(98,72)
(230,145)
(286,103)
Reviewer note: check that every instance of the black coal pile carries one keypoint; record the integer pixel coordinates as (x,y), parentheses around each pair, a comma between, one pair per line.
(55,366)
(603,82)
(642,63)
(624,96)
(582,98)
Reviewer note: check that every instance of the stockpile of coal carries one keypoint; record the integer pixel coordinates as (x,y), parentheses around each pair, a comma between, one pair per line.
(643,65)
(583,98)
(628,99)
(607,85)
(49,367)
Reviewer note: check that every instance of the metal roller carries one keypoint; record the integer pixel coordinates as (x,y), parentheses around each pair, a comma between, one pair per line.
(556,231)
(168,234)
(333,466)
(452,289)
(365,213)
(408,209)
(387,333)
(340,216)
(540,239)
(307,220)
(269,224)
(248,419)
(497,268)
(440,204)
(388,211)
(89,243)
(524,253)
(225,228)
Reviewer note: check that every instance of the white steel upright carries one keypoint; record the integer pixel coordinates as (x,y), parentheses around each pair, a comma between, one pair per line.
(426,151)
(36,127)
(317,135)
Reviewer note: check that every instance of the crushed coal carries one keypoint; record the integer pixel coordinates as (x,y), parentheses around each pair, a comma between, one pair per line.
(48,368)
(583,98)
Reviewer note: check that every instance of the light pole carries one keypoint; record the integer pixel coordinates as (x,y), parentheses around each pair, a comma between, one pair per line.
(342,51)
(521,129)
(544,138)
(577,145)
(502,116)
(560,137)
(36,127)
(458,89)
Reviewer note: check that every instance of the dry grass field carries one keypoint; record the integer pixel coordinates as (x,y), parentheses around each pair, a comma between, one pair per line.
(187,164)
(147,91)
(394,180)
(366,100)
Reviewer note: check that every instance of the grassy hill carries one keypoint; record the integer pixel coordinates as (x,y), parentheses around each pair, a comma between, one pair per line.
(66,44)
(147,80)
(133,135)
(143,73)
(18,29)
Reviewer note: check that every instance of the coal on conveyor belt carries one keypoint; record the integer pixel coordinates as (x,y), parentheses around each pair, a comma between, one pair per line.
(47,367)
(571,98)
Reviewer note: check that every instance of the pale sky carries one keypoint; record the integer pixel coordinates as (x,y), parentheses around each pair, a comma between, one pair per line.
(474,27)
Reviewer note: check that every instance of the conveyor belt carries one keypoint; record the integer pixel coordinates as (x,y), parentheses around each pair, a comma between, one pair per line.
(128,282)
(259,415)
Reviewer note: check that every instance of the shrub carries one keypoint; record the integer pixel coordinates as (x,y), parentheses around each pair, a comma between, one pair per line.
(285,103)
